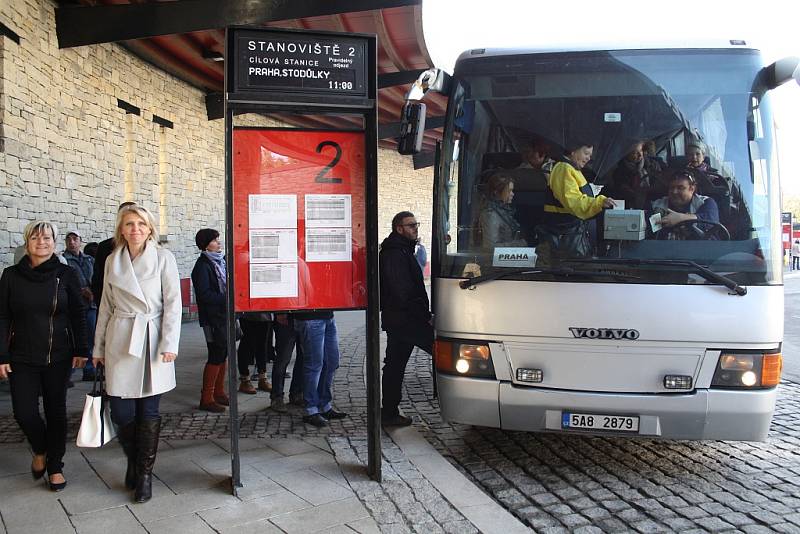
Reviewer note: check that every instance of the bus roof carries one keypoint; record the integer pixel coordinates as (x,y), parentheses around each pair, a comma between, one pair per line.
(681,44)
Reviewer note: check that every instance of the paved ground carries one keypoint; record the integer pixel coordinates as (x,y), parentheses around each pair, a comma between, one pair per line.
(297,479)
(557,483)
(551,483)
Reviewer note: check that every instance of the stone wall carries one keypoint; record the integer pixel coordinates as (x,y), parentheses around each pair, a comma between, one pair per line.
(69,153)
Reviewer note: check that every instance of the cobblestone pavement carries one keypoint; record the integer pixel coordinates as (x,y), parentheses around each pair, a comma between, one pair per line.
(554,483)
(557,483)
(403,502)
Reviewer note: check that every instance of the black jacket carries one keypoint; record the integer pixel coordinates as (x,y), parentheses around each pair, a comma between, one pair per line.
(42,314)
(404,301)
(104,250)
(210,299)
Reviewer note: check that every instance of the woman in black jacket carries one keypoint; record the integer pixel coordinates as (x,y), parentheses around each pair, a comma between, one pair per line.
(42,337)
(209,279)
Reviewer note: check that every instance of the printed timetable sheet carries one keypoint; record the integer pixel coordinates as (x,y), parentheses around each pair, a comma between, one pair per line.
(273,246)
(329,228)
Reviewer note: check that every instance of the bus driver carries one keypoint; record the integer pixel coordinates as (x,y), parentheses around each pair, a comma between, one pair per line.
(682,203)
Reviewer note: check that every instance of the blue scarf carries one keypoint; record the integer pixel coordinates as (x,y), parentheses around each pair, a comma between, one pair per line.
(218,261)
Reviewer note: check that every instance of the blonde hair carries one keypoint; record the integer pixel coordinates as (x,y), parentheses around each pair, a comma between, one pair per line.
(144,214)
(37,227)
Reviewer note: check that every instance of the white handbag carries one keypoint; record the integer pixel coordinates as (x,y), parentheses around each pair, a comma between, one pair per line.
(96,427)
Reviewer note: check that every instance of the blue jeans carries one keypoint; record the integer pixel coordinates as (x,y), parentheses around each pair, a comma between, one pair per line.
(320,361)
(123,411)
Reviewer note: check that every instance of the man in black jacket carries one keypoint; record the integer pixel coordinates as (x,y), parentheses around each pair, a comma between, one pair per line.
(104,250)
(405,311)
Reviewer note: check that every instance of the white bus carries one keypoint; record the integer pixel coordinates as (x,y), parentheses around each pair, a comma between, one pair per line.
(658,334)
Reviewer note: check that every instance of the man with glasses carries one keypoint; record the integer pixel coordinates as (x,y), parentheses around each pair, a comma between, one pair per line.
(682,203)
(405,311)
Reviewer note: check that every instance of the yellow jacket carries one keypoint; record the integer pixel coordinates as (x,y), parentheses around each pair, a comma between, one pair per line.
(567,185)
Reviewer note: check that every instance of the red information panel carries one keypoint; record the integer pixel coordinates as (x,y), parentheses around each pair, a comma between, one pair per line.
(298,219)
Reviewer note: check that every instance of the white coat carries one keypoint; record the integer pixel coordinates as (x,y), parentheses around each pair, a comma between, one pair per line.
(139,319)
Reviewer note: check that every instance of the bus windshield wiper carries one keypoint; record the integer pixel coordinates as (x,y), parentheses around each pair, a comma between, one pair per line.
(702,270)
(564,271)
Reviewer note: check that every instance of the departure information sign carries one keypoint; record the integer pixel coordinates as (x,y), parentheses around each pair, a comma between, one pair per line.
(289,62)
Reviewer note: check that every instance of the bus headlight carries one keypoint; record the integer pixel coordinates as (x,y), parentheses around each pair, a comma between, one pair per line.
(747,370)
(463,358)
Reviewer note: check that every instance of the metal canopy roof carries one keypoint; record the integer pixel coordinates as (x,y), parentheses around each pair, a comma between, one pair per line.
(186,38)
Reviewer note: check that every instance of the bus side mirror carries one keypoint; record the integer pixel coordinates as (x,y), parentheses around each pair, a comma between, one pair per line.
(782,71)
(412,128)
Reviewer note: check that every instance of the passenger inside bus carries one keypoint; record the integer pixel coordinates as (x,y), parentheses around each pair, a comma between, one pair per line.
(569,207)
(682,206)
(636,179)
(530,184)
(711,182)
(497,222)
(536,156)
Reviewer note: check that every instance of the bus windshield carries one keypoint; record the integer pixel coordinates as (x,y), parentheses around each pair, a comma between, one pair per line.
(670,132)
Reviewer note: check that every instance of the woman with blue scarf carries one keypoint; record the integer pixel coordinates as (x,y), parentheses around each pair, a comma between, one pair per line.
(209,280)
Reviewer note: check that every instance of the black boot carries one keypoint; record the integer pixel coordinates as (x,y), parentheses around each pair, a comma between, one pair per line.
(147,432)
(127,438)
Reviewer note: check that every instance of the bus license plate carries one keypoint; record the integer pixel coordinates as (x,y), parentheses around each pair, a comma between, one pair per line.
(593,421)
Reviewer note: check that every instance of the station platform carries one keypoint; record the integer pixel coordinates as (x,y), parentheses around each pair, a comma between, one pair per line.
(296,478)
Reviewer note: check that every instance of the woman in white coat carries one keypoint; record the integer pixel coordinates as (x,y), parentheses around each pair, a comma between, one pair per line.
(138,328)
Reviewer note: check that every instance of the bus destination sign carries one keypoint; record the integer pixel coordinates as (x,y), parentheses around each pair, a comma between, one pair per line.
(286,62)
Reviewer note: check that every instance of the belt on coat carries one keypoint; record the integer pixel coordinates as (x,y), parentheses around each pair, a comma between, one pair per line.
(139,330)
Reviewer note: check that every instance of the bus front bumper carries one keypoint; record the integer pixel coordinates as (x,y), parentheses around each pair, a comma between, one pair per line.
(701,414)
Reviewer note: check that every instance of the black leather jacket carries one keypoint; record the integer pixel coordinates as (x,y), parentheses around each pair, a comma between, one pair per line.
(42,313)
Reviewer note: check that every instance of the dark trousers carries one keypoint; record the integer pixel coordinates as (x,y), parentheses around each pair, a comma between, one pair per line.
(91,324)
(285,341)
(296,386)
(398,350)
(46,436)
(795,263)
(124,411)
(253,345)
(217,343)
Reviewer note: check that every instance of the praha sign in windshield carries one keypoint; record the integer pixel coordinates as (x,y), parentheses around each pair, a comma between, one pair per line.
(289,62)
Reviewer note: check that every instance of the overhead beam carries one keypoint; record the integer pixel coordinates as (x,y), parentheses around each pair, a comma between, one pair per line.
(85,25)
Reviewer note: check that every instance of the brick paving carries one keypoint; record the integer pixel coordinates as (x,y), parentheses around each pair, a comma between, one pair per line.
(551,482)
(403,502)
(570,483)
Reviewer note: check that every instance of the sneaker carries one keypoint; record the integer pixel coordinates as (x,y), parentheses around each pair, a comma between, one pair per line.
(333,414)
(315,420)
(279,405)
(245,386)
(88,375)
(396,420)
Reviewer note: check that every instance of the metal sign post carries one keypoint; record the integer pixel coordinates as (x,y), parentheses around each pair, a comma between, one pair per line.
(302,205)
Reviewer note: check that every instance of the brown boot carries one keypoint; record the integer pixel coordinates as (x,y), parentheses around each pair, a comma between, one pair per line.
(263,383)
(207,402)
(245,386)
(219,386)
